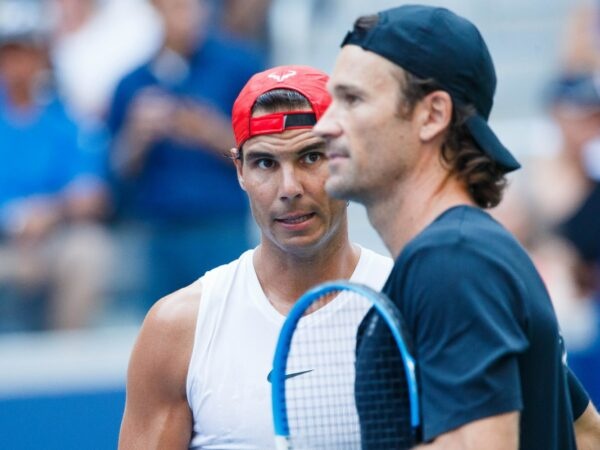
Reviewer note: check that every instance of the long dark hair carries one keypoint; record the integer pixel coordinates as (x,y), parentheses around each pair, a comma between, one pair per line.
(484,178)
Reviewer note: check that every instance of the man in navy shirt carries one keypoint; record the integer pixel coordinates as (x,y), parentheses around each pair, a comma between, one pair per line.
(170,119)
(408,138)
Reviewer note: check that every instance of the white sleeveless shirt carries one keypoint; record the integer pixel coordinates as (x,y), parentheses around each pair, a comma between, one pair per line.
(236,332)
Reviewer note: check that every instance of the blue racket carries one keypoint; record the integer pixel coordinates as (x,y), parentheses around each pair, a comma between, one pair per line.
(343,376)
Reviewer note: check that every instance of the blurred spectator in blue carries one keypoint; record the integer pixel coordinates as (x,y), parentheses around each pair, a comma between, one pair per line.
(170,120)
(575,106)
(53,253)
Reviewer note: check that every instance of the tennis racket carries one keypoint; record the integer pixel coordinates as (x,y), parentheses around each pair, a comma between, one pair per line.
(343,376)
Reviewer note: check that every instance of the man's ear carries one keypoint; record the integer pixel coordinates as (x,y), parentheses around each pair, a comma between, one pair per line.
(436,110)
(239,167)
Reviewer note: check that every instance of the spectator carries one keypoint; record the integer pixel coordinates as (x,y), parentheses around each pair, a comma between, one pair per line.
(170,123)
(569,195)
(581,229)
(51,190)
(575,107)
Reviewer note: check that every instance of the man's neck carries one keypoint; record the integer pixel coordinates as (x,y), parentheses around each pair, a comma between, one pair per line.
(413,204)
(285,276)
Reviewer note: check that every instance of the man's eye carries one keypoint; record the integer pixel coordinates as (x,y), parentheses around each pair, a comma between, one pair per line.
(351,99)
(264,163)
(313,157)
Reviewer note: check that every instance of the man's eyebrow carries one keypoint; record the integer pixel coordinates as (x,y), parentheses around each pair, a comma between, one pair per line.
(312,147)
(345,89)
(256,154)
(253,155)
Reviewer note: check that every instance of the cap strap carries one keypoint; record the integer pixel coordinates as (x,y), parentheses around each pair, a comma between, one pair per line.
(278,122)
(300,120)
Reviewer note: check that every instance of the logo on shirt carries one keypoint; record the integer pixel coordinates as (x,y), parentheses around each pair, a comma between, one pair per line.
(281,77)
(289,375)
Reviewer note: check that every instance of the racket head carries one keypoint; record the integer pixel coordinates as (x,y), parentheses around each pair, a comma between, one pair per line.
(337,309)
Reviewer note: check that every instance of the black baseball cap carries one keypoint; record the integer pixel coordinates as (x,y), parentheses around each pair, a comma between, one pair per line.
(436,43)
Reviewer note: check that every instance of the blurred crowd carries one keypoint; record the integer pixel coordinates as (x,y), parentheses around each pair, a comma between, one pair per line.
(114,187)
(114,123)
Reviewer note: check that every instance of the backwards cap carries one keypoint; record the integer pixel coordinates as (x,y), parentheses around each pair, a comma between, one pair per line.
(309,82)
(435,43)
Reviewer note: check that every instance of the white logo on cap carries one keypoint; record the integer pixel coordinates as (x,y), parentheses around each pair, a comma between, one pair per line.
(280,78)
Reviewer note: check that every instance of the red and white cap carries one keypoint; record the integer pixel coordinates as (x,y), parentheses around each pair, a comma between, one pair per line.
(309,82)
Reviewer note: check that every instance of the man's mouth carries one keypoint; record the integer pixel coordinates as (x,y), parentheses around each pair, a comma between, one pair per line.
(295,218)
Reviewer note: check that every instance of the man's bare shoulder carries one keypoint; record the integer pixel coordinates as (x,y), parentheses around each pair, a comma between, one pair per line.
(175,315)
(164,345)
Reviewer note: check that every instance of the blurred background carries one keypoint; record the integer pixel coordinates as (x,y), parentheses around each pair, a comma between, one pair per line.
(114,188)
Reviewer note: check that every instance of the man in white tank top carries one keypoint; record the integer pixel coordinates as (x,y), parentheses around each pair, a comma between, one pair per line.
(198,375)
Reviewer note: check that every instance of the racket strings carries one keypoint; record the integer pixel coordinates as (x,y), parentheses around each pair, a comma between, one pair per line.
(321,408)
(326,408)
(381,390)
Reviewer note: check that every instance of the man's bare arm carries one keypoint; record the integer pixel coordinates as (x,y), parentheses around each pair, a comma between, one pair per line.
(157,414)
(587,429)
(499,432)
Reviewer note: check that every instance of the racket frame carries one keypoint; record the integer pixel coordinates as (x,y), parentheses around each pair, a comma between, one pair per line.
(386,309)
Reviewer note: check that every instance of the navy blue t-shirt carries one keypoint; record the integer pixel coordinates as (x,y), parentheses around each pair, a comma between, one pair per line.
(485,334)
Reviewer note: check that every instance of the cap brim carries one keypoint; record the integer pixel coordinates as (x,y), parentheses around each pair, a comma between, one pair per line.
(490,144)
